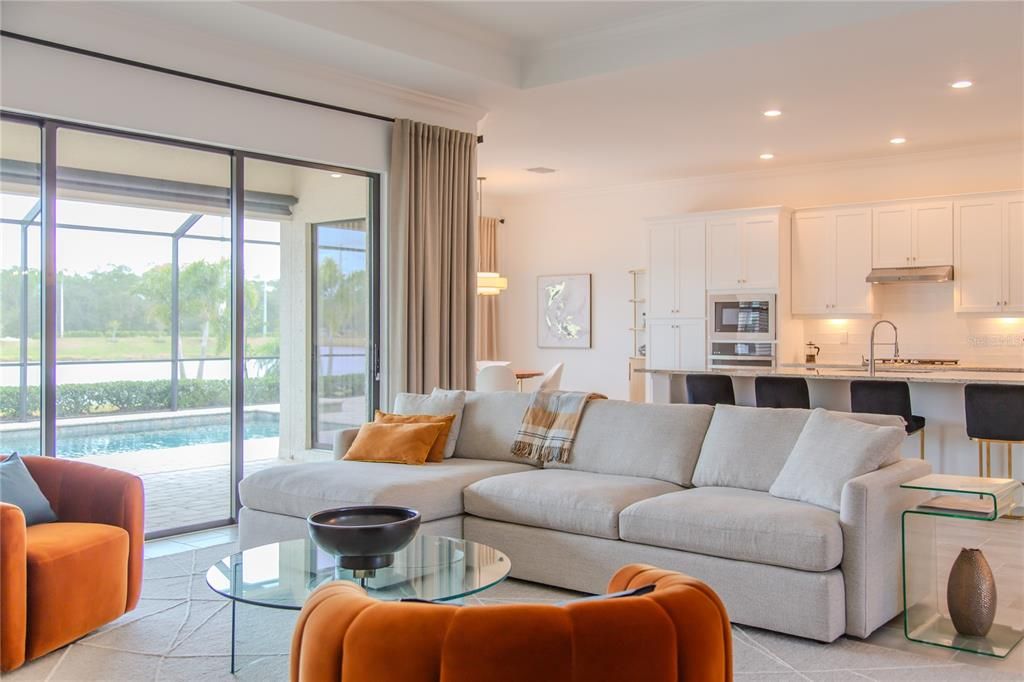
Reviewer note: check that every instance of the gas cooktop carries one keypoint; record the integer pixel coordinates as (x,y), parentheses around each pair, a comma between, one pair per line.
(926,362)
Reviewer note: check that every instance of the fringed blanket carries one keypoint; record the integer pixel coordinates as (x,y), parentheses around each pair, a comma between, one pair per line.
(549,425)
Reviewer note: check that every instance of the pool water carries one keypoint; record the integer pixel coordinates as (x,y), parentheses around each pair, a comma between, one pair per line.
(146,435)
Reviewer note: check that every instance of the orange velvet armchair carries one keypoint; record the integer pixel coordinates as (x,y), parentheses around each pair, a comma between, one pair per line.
(678,631)
(61,580)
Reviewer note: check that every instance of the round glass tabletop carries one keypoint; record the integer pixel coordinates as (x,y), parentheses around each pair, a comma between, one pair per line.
(281,575)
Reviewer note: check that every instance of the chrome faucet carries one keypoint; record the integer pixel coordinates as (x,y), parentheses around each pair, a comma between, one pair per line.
(895,345)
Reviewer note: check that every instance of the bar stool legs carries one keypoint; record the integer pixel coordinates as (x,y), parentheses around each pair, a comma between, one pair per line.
(922,443)
(985,457)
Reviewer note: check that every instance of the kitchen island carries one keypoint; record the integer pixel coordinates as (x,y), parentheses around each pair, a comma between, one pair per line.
(936,394)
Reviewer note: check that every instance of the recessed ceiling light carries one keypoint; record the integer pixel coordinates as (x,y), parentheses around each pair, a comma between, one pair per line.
(772,113)
(540,169)
(767,156)
(898,140)
(960,85)
(335,175)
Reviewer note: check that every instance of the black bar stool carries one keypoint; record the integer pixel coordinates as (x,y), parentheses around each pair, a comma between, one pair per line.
(886,397)
(781,392)
(995,414)
(709,389)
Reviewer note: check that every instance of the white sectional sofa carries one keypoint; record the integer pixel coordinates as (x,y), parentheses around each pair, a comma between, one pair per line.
(640,487)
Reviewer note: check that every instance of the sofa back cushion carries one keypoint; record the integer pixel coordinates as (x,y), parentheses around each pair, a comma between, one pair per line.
(746,447)
(635,439)
(490,421)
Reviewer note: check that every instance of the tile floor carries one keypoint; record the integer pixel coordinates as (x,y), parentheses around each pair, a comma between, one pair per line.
(760,654)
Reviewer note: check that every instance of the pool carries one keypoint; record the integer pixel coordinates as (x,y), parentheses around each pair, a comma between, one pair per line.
(140,436)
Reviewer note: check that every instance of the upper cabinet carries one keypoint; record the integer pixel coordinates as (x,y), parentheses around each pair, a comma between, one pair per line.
(988,261)
(676,269)
(743,251)
(831,259)
(912,234)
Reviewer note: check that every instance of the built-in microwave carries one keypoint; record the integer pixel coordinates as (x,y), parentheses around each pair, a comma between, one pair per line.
(742,317)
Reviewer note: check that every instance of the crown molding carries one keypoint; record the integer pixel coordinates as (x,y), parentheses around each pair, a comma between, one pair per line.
(117,30)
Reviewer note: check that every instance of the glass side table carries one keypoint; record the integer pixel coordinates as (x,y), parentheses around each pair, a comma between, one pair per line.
(964,512)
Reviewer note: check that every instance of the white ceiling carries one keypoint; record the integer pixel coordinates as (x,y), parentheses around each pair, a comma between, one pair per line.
(621,92)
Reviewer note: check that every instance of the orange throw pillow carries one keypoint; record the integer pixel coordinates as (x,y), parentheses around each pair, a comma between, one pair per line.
(396,443)
(437,451)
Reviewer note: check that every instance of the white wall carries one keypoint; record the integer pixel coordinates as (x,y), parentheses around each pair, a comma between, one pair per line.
(602,231)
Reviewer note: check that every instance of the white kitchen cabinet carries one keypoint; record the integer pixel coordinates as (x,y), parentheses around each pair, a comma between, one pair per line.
(1014,299)
(725,260)
(831,257)
(743,252)
(813,263)
(676,269)
(912,234)
(661,271)
(676,344)
(989,254)
(933,234)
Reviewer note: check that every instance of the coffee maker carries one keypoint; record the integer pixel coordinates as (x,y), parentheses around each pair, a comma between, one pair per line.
(811,356)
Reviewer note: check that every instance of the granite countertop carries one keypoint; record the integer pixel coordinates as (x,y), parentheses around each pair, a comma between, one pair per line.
(945,375)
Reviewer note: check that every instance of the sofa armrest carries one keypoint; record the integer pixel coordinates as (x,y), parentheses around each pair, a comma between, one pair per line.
(88,493)
(870,512)
(13,587)
(343,441)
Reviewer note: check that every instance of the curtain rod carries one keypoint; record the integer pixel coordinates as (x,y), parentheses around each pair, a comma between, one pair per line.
(196,77)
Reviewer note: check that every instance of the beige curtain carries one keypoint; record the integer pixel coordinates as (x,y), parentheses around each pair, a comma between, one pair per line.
(431,246)
(487,306)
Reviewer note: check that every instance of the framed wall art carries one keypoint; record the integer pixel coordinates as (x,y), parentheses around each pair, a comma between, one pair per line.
(563,311)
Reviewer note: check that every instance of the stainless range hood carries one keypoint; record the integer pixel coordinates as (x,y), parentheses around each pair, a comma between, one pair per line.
(936,273)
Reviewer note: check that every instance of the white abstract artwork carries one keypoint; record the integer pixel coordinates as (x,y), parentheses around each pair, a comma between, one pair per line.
(563,311)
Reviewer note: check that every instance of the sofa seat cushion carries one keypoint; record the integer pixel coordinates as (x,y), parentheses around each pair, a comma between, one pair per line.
(77,578)
(572,501)
(434,489)
(734,523)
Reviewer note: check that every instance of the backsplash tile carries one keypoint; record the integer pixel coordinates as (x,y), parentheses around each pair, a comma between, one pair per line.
(928,327)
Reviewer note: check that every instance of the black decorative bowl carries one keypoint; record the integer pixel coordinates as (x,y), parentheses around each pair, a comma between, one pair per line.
(363,538)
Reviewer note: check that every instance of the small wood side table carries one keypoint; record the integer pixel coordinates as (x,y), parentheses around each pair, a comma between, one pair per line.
(522,374)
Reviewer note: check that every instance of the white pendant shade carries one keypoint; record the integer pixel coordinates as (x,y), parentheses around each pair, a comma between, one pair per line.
(490,283)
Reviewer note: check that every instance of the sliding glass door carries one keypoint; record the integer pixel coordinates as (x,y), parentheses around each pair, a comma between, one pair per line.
(180,311)
(327,377)
(20,288)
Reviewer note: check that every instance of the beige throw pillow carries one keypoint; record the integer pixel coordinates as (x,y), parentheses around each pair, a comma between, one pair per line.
(440,403)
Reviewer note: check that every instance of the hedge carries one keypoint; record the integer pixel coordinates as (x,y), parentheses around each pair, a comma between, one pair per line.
(77,400)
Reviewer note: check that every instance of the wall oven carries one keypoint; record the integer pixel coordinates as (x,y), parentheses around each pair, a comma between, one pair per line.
(742,317)
(740,355)
(742,331)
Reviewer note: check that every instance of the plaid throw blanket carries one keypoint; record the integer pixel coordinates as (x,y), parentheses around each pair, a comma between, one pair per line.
(549,425)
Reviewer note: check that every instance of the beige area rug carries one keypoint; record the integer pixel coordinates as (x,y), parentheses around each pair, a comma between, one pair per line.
(181,630)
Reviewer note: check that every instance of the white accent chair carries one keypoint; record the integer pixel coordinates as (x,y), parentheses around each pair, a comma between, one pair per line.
(495,378)
(480,364)
(552,379)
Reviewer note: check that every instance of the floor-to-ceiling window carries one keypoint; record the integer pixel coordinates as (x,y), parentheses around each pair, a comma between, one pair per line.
(20,290)
(142,310)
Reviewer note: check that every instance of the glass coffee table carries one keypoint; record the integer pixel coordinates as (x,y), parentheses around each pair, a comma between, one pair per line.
(283,574)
